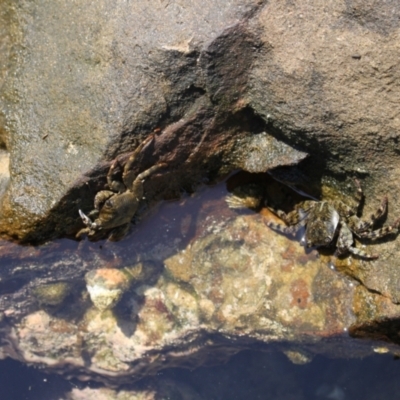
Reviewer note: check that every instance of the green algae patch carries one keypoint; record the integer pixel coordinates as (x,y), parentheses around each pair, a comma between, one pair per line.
(52,294)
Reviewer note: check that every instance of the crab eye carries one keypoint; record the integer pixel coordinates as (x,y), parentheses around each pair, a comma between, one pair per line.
(108,203)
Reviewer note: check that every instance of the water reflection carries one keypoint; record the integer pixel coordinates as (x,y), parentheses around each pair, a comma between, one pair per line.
(170,229)
(164,231)
(248,375)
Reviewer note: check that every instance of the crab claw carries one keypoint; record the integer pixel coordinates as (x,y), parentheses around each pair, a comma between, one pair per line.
(86,220)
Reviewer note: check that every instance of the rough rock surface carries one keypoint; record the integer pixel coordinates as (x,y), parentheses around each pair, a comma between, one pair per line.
(91,80)
(327,80)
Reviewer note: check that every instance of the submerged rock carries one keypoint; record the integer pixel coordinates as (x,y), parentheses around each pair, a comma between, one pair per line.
(52,294)
(161,389)
(194,285)
(106,287)
(234,284)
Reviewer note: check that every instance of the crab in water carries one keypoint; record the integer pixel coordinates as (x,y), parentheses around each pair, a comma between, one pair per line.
(115,208)
(327,221)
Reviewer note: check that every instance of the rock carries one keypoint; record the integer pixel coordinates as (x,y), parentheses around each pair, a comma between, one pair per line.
(296,96)
(307,83)
(325,80)
(262,152)
(4,171)
(90,93)
(6,60)
(52,294)
(161,389)
(106,287)
(208,91)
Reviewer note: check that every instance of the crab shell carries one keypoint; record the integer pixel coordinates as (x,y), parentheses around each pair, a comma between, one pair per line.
(116,211)
(322,225)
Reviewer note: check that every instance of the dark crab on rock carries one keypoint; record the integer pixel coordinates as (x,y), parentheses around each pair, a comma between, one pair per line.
(327,220)
(332,222)
(115,208)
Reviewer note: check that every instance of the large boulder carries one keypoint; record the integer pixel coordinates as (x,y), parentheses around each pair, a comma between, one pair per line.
(89,82)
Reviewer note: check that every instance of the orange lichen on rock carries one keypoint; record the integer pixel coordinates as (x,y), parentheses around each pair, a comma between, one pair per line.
(300,293)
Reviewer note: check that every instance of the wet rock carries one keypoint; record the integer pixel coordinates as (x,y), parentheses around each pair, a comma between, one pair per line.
(37,328)
(161,389)
(146,271)
(214,264)
(106,287)
(298,356)
(262,152)
(227,290)
(196,284)
(52,294)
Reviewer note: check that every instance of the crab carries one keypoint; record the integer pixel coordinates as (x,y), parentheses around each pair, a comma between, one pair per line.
(327,221)
(115,208)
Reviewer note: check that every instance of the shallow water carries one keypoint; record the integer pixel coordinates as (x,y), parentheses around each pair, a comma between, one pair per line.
(250,374)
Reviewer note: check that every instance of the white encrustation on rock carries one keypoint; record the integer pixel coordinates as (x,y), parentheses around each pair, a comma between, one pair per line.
(106,287)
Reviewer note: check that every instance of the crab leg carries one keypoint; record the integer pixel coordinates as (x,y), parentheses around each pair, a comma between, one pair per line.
(296,215)
(86,220)
(359,226)
(295,219)
(345,242)
(288,230)
(113,184)
(128,174)
(386,230)
(381,210)
(137,183)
